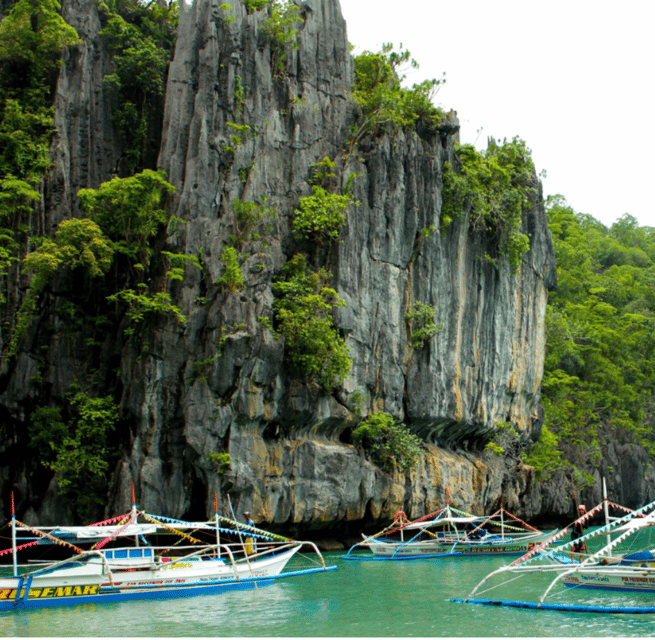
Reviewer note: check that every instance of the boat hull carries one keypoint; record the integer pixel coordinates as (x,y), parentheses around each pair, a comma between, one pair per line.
(98,595)
(89,583)
(472,549)
(617,580)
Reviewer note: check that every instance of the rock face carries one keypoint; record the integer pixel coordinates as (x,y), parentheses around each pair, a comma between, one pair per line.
(218,382)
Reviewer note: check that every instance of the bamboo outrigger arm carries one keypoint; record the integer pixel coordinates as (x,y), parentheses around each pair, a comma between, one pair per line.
(564,570)
(594,556)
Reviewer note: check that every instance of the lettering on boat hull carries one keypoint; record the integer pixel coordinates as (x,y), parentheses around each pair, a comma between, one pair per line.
(52,592)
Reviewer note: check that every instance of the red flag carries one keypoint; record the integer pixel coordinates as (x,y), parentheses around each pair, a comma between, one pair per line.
(13,513)
(447,490)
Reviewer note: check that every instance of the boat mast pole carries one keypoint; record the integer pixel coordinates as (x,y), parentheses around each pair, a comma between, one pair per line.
(448,514)
(133,515)
(606,509)
(243,546)
(502,523)
(13,535)
(218,530)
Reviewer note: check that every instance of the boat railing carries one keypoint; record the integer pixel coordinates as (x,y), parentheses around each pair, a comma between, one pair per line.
(48,567)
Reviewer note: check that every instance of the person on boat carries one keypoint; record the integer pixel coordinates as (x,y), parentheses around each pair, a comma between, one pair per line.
(250,542)
(577,531)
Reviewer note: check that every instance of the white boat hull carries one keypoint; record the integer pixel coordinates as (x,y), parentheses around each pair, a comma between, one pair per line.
(613,580)
(505,547)
(91,582)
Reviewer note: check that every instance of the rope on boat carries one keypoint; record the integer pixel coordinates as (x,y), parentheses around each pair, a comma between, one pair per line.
(505,525)
(483,523)
(171,529)
(502,584)
(22,546)
(387,531)
(102,543)
(252,529)
(618,506)
(539,548)
(4,552)
(63,543)
(302,555)
(525,524)
(211,527)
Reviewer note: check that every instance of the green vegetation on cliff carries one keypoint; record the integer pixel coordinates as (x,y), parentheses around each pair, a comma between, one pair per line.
(302,308)
(600,359)
(141,37)
(32,38)
(490,190)
(73,441)
(389,443)
(384,101)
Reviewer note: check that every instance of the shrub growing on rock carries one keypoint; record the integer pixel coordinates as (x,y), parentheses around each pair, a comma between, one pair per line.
(389,442)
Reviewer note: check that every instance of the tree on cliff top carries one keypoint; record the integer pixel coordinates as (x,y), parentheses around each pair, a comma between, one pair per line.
(382,98)
(490,191)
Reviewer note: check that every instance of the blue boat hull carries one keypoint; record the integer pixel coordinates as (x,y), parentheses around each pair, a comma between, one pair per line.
(150,593)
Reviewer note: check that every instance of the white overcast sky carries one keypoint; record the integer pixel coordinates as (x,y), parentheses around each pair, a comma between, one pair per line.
(572,78)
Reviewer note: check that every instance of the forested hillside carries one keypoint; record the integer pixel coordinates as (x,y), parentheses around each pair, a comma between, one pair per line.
(599,376)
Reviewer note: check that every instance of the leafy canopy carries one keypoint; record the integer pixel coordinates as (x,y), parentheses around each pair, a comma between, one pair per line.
(232,279)
(281,30)
(32,37)
(16,199)
(321,215)
(600,351)
(77,243)
(145,306)
(302,310)
(76,449)
(490,190)
(129,211)
(382,98)
(389,442)
(421,320)
(141,37)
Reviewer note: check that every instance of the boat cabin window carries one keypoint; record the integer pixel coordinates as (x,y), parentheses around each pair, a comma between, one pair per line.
(116,554)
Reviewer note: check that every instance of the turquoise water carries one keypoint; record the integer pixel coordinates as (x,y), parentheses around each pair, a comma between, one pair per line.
(409,598)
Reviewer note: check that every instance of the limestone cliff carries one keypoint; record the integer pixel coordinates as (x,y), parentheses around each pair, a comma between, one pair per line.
(292,463)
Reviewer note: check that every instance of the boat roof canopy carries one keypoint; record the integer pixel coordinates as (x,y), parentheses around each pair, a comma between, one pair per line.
(104,531)
(440,521)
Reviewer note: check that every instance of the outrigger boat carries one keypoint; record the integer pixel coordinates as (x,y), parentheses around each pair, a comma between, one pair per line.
(109,571)
(601,570)
(451,532)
